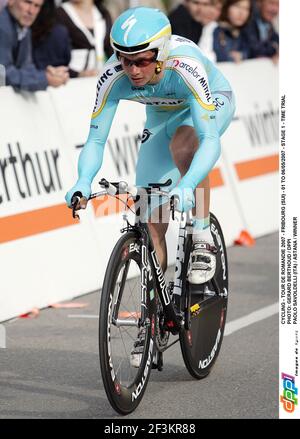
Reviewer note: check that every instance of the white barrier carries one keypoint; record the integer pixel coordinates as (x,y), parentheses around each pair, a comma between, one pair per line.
(251,144)
(45,256)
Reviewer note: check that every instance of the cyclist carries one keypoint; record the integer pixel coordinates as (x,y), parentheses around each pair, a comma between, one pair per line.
(189,105)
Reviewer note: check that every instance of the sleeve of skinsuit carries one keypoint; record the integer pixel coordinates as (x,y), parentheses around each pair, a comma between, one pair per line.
(91,156)
(194,79)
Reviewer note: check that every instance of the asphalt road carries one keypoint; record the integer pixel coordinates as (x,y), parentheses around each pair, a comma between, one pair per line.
(50,368)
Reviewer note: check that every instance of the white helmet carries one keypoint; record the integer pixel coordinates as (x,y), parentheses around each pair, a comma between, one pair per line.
(140,29)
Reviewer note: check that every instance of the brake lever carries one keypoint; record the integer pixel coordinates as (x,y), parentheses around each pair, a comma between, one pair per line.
(74,204)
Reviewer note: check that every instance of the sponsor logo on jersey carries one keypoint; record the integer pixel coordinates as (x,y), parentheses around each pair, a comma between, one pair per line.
(103,78)
(146,135)
(196,74)
(207,117)
(159,101)
(218,103)
(182,40)
(118,68)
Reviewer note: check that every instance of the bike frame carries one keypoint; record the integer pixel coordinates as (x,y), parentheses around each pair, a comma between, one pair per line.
(173,320)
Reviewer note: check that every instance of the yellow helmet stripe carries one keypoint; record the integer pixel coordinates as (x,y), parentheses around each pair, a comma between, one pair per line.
(165,31)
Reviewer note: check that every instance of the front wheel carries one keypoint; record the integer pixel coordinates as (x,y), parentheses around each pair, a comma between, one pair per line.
(126,308)
(207,308)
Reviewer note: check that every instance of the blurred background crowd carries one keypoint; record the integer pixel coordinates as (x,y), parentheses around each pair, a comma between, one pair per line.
(47,42)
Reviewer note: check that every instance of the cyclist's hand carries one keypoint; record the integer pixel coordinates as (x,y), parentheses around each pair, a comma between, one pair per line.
(84,188)
(185,198)
(80,202)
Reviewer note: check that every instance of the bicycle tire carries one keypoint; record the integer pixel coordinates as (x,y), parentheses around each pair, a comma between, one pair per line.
(201,343)
(124,395)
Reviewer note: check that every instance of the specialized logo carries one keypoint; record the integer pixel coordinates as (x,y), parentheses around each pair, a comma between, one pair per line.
(193,71)
(288,399)
(146,135)
(107,79)
(128,25)
(103,78)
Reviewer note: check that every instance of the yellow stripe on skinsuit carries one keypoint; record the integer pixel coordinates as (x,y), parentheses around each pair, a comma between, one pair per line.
(106,95)
(209,107)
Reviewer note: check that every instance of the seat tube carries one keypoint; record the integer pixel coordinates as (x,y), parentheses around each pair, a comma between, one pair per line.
(185,228)
(144,275)
(182,235)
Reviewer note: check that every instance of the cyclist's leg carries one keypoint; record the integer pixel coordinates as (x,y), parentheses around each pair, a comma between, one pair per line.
(185,142)
(183,146)
(155,164)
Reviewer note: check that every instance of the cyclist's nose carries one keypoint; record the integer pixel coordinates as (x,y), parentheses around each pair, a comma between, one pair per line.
(134,69)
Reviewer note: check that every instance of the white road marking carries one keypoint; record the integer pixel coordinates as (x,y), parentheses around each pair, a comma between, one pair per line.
(253,317)
(231,327)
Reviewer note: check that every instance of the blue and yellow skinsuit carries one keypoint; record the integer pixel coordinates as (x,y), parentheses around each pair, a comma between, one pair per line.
(192,92)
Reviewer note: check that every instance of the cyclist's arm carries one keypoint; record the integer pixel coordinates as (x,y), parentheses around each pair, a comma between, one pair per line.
(91,156)
(203,115)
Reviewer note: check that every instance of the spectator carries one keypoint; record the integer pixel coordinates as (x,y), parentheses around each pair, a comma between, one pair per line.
(186,19)
(116,7)
(231,41)
(209,20)
(50,41)
(264,39)
(2,4)
(16,50)
(89,24)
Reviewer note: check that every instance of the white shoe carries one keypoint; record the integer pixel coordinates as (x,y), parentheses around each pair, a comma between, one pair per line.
(203,264)
(138,349)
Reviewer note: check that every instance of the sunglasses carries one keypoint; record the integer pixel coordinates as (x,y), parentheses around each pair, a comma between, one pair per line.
(143,62)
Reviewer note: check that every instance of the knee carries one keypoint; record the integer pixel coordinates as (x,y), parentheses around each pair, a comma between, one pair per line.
(158,232)
(183,147)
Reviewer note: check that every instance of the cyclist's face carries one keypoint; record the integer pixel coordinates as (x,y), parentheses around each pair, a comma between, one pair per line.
(140,67)
(239,12)
(25,11)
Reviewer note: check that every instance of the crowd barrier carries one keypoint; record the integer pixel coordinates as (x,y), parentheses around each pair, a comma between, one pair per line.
(46,256)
